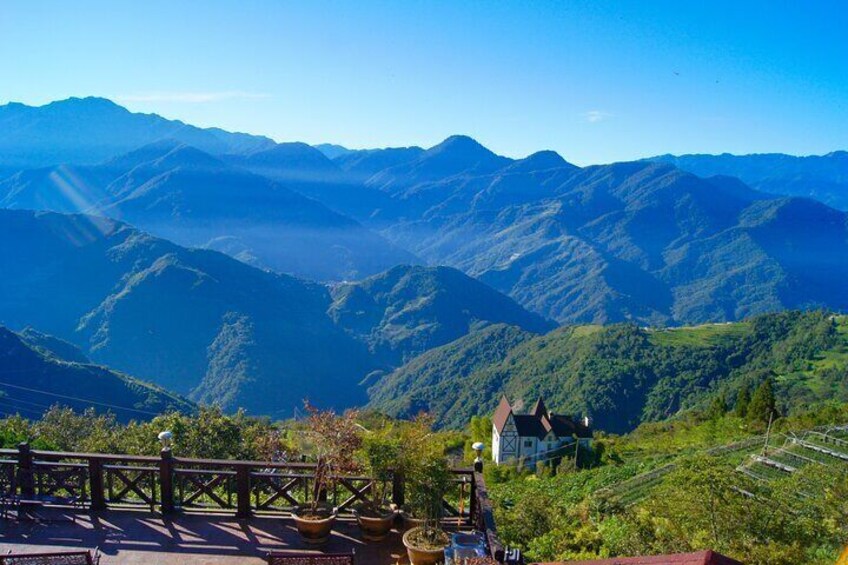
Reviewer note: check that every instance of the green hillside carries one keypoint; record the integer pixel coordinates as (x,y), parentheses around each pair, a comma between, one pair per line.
(408,310)
(439,369)
(702,482)
(623,375)
(214,329)
(32,379)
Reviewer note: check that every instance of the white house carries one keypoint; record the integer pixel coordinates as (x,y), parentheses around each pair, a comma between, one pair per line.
(536,436)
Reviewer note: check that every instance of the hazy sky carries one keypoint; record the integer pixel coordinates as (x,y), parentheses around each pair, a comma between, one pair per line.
(596,81)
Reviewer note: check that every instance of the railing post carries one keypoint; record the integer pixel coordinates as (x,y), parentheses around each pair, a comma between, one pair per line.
(166,480)
(397,489)
(26,477)
(486,519)
(243,491)
(95,483)
(472,505)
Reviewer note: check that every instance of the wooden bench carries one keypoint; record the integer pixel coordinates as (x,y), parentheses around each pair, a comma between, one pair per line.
(274,558)
(58,558)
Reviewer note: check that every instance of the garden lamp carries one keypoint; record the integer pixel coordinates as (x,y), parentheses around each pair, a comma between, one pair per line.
(165,439)
(478,447)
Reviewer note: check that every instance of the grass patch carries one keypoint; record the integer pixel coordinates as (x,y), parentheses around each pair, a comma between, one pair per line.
(698,336)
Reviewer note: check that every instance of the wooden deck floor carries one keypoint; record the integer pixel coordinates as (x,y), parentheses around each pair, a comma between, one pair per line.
(141,538)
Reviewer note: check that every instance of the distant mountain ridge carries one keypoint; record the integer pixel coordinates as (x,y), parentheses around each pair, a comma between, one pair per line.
(89,130)
(822,177)
(182,193)
(640,241)
(458,155)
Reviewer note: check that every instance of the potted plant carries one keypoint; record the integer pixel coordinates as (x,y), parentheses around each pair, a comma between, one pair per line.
(418,443)
(431,478)
(335,441)
(375,516)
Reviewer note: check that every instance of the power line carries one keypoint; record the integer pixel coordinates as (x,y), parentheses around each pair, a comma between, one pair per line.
(36,404)
(20,408)
(22,411)
(76,399)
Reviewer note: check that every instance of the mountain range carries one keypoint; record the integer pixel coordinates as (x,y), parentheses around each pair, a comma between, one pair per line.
(179,192)
(641,241)
(629,241)
(217,330)
(822,177)
(89,130)
(232,269)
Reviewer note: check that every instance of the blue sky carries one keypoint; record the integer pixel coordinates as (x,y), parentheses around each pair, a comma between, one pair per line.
(596,81)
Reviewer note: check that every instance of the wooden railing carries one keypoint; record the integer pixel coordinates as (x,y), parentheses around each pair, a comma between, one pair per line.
(173,484)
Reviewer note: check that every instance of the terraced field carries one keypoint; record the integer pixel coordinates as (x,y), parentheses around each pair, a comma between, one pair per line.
(784,454)
(701,336)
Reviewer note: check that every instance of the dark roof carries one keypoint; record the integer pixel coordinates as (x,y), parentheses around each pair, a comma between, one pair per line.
(700,558)
(501,414)
(529,425)
(539,422)
(565,426)
(539,409)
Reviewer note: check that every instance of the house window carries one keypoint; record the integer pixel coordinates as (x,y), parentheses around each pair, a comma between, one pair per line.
(528,443)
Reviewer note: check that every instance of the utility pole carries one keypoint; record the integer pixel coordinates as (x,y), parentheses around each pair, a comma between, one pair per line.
(768,434)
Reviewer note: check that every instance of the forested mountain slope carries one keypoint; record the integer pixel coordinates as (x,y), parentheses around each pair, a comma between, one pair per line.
(205,325)
(193,321)
(32,379)
(408,310)
(623,375)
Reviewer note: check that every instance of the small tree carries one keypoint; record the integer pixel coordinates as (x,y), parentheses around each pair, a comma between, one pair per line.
(272,445)
(382,457)
(431,479)
(335,441)
(417,442)
(718,407)
(762,406)
(743,399)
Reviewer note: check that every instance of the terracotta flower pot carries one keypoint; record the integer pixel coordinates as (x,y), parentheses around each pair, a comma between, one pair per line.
(409,521)
(375,526)
(314,526)
(423,555)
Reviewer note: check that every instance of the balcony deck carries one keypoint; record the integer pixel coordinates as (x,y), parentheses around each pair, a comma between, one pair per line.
(131,537)
(170,510)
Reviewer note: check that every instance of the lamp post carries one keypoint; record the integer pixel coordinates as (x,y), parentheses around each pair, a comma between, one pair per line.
(166,473)
(478,448)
